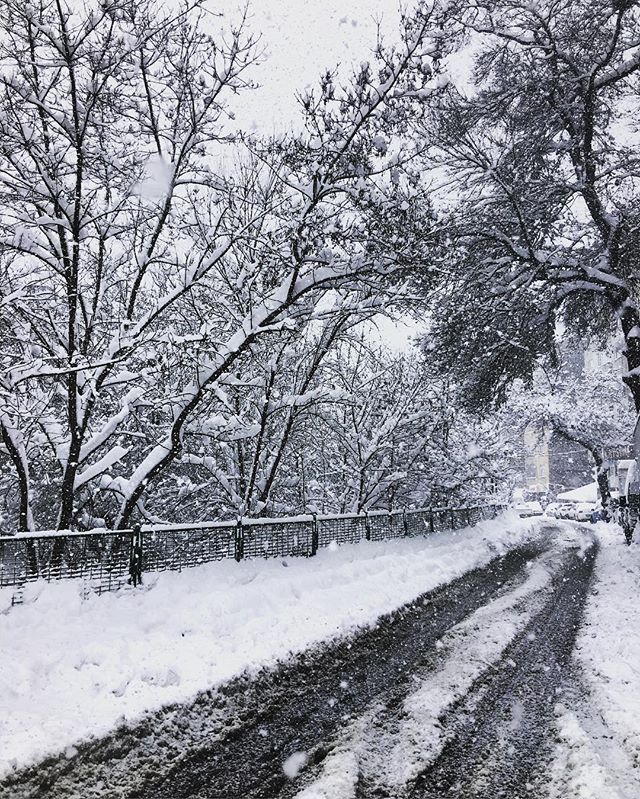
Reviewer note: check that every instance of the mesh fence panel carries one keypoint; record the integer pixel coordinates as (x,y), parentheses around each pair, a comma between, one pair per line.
(474,515)
(458,519)
(386,526)
(418,523)
(275,540)
(342,530)
(441,519)
(175,550)
(100,558)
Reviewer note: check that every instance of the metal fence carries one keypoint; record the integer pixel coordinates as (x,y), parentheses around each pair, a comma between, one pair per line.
(108,559)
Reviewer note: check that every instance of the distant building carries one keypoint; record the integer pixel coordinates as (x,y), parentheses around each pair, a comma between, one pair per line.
(553,464)
(570,465)
(536,461)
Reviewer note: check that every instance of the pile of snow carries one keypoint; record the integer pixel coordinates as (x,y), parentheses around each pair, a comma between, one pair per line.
(72,668)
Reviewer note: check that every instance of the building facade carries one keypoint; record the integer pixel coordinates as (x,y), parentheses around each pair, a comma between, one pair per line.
(553,464)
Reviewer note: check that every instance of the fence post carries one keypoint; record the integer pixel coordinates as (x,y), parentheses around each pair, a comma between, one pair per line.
(405,524)
(135,558)
(452,519)
(314,535)
(468,517)
(239,541)
(431,526)
(367,526)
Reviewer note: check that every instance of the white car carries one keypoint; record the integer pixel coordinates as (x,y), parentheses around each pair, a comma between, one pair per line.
(524,509)
(583,511)
(552,510)
(565,511)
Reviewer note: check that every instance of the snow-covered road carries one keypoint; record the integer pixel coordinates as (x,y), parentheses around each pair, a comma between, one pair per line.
(73,668)
(474,689)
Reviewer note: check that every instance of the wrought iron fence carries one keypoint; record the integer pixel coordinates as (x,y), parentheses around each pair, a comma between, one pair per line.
(108,559)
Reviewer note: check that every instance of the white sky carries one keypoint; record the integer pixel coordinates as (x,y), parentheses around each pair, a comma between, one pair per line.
(396,334)
(300,41)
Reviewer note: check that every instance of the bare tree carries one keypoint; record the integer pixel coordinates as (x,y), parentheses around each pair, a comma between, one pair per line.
(271,401)
(136,273)
(378,436)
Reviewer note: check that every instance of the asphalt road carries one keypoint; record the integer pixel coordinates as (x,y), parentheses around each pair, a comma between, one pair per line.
(232,743)
(501,734)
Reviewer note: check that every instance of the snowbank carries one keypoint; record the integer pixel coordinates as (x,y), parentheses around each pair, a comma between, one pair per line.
(73,668)
(600,748)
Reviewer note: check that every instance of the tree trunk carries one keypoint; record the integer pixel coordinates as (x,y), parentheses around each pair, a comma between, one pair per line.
(25,523)
(602,473)
(602,476)
(25,518)
(67,494)
(630,321)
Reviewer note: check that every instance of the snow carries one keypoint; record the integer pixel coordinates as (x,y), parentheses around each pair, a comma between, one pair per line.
(468,648)
(293,764)
(597,736)
(73,668)
(115,454)
(158,176)
(598,745)
(588,493)
(578,770)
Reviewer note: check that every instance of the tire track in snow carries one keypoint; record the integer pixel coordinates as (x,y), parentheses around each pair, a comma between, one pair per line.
(307,716)
(384,751)
(500,735)
(481,722)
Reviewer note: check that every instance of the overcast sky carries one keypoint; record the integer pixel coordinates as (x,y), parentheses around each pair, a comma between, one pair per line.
(300,41)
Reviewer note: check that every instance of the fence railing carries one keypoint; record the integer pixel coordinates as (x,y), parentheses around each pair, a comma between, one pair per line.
(108,559)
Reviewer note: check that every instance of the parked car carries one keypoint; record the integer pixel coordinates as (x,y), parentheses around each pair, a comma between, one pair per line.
(552,509)
(524,509)
(565,511)
(583,511)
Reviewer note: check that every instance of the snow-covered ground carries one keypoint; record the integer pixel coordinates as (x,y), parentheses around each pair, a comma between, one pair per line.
(598,751)
(72,668)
